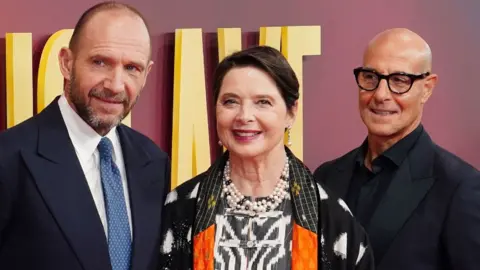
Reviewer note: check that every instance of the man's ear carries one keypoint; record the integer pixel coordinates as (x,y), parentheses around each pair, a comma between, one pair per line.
(65,59)
(147,71)
(429,85)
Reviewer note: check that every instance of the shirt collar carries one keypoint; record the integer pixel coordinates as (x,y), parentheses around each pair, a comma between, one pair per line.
(397,152)
(84,138)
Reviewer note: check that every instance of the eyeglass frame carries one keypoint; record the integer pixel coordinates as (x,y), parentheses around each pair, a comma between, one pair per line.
(413,78)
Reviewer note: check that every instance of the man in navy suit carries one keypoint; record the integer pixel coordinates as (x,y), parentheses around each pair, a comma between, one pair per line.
(419,203)
(79,190)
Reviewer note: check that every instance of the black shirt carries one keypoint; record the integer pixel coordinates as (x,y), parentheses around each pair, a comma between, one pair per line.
(367,187)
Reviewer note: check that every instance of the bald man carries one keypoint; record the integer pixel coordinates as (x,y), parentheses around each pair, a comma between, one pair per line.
(419,203)
(79,190)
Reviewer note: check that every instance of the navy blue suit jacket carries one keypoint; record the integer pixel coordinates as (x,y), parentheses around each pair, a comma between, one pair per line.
(48,219)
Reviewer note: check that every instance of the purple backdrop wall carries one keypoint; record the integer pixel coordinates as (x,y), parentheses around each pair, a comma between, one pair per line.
(332,124)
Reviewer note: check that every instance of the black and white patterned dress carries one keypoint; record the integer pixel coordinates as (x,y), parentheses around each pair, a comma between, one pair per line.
(253,241)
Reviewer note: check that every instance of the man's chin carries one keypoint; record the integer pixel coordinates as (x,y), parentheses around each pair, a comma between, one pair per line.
(103,125)
(381,130)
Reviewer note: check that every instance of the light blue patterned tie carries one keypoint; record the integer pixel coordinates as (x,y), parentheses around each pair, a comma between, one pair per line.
(119,240)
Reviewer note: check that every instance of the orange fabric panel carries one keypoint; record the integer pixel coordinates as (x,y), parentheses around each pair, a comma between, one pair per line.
(203,249)
(304,249)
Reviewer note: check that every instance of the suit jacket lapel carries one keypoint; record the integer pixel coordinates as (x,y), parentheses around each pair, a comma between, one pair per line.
(342,176)
(409,186)
(145,201)
(61,181)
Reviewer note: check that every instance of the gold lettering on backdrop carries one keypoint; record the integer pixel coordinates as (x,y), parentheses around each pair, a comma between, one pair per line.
(298,41)
(19,79)
(271,36)
(190,137)
(229,41)
(50,79)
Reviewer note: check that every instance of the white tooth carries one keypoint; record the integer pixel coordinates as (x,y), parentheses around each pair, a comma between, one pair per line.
(245,134)
(383,112)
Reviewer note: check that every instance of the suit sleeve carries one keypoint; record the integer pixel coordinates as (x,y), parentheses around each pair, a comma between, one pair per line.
(5,202)
(462,226)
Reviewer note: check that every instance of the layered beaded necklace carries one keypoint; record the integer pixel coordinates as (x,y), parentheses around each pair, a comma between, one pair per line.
(238,201)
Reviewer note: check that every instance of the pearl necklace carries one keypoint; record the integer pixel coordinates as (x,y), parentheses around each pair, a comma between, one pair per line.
(237,200)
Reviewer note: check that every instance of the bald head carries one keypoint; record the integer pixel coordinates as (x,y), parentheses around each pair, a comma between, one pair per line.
(105,9)
(401,43)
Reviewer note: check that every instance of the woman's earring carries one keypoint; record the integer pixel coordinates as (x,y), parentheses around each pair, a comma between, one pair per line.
(289,141)
(220,143)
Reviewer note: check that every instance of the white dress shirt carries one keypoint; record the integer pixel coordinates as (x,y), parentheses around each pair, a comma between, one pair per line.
(85,140)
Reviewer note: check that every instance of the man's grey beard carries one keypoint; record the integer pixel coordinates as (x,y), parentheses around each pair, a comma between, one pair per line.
(88,114)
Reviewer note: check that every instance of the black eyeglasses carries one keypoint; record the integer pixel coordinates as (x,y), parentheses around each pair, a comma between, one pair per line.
(399,82)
